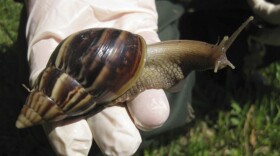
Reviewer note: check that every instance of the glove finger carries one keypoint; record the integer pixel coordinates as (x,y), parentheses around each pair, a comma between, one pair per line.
(66,138)
(114,131)
(149,109)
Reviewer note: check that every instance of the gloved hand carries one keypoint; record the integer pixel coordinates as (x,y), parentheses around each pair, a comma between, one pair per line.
(114,128)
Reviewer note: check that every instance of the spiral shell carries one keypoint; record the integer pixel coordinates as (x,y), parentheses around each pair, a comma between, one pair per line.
(87,70)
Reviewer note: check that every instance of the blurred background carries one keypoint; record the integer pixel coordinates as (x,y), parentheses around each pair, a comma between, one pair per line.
(236,112)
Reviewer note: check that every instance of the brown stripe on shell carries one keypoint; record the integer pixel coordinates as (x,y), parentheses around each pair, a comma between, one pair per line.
(44,106)
(47,77)
(122,62)
(28,118)
(120,58)
(73,97)
(66,92)
(83,105)
(37,109)
(56,85)
(60,52)
(78,102)
(67,57)
(93,59)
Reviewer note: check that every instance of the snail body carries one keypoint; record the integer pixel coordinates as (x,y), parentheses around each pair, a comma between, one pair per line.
(94,68)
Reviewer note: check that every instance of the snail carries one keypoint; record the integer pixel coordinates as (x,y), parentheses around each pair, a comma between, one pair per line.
(100,67)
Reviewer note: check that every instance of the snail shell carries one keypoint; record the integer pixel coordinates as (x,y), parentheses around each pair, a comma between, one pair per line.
(86,70)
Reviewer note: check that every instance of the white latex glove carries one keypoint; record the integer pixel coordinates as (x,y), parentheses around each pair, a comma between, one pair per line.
(50,21)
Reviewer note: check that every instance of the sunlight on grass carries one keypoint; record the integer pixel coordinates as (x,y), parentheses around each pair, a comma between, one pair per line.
(9,20)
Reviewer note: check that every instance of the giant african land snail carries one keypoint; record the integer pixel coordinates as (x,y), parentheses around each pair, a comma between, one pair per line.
(94,68)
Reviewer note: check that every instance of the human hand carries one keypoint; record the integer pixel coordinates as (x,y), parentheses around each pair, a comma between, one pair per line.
(113,129)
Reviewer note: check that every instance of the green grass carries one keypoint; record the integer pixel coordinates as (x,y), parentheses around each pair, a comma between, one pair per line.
(249,126)
(9,21)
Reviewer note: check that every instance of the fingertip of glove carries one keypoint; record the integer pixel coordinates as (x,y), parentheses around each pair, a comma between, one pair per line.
(114,132)
(150,109)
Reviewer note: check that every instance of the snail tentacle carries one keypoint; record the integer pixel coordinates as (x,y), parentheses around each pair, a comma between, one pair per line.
(224,45)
